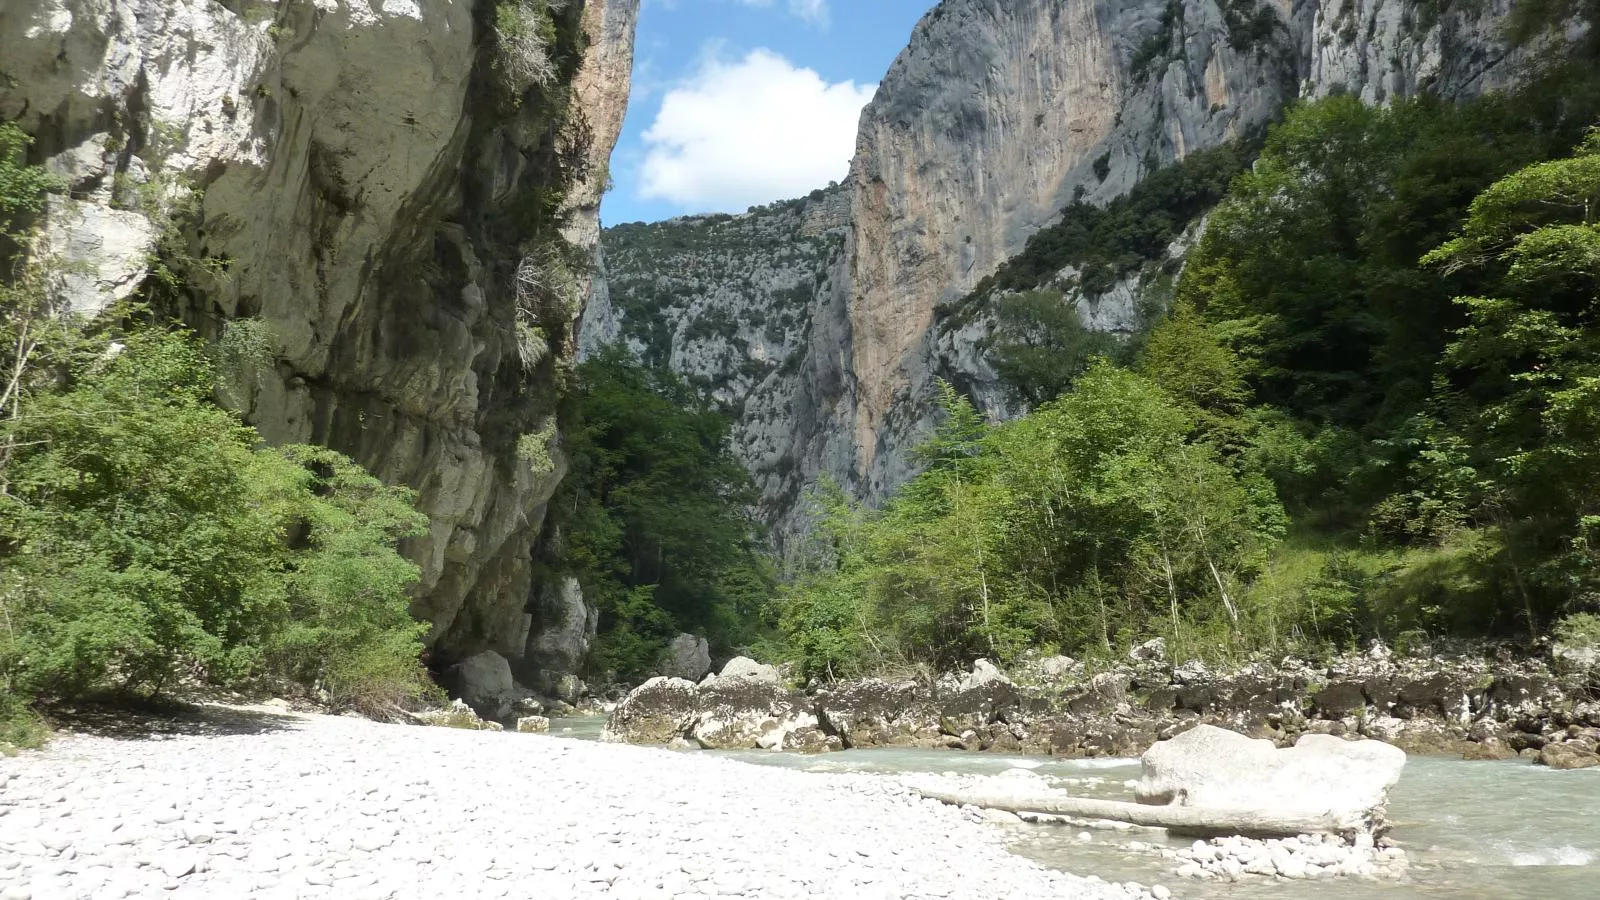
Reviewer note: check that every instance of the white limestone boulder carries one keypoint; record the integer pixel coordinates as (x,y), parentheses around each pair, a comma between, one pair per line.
(1220,769)
(687,656)
(748,669)
(660,711)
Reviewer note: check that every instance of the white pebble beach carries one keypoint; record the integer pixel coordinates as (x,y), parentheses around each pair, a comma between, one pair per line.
(329,807)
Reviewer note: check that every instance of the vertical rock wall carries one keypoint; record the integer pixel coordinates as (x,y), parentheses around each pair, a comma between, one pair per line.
(996,116)
(357,175)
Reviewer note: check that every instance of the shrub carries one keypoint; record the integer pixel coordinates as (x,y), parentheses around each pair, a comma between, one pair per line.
(1579,630)
(145,537)
(527,33)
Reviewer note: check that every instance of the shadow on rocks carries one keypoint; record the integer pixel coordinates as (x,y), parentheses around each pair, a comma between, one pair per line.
(142,719)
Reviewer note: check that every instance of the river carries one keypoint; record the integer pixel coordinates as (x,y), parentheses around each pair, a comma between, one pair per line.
(1472,830)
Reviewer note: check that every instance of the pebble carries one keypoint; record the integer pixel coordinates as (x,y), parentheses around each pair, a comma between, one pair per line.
(342,807)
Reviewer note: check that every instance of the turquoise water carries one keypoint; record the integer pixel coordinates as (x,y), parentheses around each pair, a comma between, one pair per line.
(1472,830)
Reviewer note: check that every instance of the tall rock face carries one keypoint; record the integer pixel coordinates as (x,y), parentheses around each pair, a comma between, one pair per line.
(390,192)
(997,115)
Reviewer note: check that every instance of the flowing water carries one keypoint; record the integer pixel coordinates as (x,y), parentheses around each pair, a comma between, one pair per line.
(1472,830)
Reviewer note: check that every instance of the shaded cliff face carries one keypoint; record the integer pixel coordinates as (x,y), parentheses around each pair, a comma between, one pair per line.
(364,178)
(997,115)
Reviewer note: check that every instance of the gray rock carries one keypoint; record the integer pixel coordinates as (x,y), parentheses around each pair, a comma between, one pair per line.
(872,712)
(1568,756)
(1190,672)
(1575,660)
(533,725)
(136,100)
(747,668)
(660,711)
(687,656)
(984,673)
(749,714)
(1213,767)
(560,634)
(570,689)
(484,682)
(1153,650)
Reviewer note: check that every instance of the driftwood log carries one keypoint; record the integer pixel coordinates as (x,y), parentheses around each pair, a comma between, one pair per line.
(1197,821)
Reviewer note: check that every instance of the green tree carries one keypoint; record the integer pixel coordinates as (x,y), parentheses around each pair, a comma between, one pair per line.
(655,516)
(1521,380)
(1040,345)
(146,538)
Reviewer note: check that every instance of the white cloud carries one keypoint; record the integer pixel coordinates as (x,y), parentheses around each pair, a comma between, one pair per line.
(739,134)
(815,11)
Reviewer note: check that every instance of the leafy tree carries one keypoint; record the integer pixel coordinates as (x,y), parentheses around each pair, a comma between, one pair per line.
(1521,380)
(1096,517)
(1041,345)
(146,538)
(654,514)
(23,188)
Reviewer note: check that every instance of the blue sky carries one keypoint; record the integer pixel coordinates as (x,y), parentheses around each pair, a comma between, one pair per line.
(743,102)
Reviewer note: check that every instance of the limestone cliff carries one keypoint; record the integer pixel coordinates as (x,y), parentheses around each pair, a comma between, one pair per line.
(401,197)
(997,115)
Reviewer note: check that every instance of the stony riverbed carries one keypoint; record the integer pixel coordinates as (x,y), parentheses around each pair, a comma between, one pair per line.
(267,805)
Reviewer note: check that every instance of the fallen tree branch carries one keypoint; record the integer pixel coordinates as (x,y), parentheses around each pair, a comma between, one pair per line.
(1189,820)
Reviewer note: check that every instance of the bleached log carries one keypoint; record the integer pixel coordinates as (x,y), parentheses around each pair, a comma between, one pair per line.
(1190,820)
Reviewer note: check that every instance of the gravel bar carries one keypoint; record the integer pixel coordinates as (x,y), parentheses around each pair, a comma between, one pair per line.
(318,806)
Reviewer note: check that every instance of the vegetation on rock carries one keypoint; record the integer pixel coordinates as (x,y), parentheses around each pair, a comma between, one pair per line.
(1369,413)
(148,539)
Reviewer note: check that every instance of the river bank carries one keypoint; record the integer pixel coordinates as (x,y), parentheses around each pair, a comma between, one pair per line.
(267,804)
(1477,703)
(1484,830)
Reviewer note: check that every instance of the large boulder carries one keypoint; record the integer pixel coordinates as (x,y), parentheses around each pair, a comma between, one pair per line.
(1575,659)
(750,670)
(1215,768)
(1568,756)
(484,683)
(660,711)
(569,689)
(687,656)
(560,634)
(873,712)
(456,715)
(982,697)
(748,714)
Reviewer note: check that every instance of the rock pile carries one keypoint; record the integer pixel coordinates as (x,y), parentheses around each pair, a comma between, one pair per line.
(1470,702)
(1305,856)
(726,713)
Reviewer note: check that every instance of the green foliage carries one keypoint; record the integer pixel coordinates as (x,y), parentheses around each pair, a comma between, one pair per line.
(534,449)
(1251,23)
(1105,244)
(146,538)
(1097,517)
(23,188)
(655,516)
(1578,630)
(1422,401)
(1040,345)
(526,31)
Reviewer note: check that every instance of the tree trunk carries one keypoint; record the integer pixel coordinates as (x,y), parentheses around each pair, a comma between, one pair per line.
(1189,820)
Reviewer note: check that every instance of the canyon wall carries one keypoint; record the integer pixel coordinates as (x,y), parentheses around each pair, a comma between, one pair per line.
(387,193)
(997,115)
